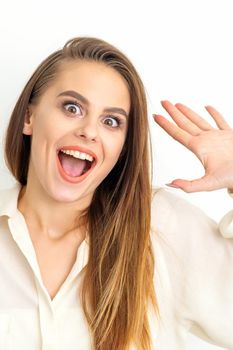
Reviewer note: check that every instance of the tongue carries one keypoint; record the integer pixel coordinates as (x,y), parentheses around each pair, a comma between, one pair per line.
(72,166)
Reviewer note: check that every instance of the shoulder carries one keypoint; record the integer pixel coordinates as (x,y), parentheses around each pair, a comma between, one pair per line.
(162,204)
(198,262)
(183,229)
(187,236)
(8,199)
(170,210)
(167,202)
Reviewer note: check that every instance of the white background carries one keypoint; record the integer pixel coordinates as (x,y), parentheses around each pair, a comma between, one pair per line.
(181,48)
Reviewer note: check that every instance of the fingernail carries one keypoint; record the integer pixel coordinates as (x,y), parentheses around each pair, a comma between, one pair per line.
(172,185)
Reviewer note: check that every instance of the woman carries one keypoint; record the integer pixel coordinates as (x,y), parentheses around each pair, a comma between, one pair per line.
(85,262)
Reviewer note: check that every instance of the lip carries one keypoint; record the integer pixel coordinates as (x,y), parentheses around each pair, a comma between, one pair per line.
(78,179)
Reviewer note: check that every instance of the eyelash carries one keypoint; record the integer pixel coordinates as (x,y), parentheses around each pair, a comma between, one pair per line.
(64,104)
(118,120)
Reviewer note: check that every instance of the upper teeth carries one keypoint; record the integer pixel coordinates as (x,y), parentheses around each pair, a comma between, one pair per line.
(77,154)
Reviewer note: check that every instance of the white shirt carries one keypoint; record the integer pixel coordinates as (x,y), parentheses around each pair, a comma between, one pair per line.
(193,280)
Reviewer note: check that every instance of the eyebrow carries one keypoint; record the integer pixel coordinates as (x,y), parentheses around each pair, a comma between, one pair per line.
(83,99)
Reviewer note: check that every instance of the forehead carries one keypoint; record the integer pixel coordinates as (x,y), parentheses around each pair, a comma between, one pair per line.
(96,81)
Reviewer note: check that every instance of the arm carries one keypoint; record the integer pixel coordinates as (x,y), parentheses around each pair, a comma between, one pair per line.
(200,259)
(226,223)
(200,266)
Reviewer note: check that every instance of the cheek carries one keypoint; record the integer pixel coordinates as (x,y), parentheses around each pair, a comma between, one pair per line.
(113,147)
(44,139)
(46,129)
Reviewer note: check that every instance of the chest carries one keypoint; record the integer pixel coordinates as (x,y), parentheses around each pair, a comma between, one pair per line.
(55,260)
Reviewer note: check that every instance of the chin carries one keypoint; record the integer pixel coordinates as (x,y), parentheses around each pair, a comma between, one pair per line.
(70,195)
(66,196)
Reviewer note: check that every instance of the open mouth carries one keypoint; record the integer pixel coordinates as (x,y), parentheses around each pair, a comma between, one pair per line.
(75,165)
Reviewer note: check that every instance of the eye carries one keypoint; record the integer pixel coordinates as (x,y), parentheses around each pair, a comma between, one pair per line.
(72,107)
(113,122)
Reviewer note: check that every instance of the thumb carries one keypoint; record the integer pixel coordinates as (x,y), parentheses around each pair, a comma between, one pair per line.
(202,184)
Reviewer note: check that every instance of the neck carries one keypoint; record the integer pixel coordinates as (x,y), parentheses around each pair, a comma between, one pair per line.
(51,218)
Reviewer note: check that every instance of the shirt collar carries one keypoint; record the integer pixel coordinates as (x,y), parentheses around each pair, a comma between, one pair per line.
(9,200)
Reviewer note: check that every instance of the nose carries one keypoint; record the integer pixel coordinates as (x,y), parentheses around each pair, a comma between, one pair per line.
(87,130)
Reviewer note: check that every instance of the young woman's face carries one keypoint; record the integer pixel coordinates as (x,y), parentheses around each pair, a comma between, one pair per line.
(78,129)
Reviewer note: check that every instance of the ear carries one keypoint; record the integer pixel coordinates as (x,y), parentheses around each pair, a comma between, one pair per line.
(27,129)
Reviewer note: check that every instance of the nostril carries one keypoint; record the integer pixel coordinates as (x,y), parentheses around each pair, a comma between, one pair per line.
(83,136)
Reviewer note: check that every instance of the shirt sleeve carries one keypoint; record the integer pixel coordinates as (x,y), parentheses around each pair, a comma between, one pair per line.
(199,262)
(226,223)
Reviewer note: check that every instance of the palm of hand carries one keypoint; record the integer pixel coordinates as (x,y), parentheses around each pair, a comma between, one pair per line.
(213,147)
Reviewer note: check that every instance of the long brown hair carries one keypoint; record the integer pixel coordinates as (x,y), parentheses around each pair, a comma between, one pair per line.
(118,279)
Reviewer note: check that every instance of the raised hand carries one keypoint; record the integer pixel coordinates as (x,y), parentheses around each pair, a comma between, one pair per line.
(212,146)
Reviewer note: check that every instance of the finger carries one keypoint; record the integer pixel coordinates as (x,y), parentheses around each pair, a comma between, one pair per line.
(202,184)
(194,117)
(218,118)
(173,130)
(181,120)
